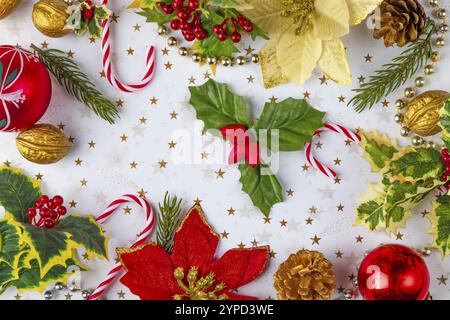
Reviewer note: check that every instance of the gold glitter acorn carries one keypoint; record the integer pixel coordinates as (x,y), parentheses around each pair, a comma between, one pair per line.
(43,144)
(50,16)
(306,275)
(7,6)
(422,113)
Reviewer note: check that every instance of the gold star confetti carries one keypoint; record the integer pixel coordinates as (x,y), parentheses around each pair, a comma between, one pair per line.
(172,144)
(123,138)
(254,243)
(305,167)
(368,58)
(168,65)
(312,210)
(267,220)
(70,54)
(306,94)
(102,74)
(348,142)
(323,80)
(385,104)
(114,17)
(341,99)
(309,221)
(91,144)
(316,239)
(359,239)
(84,183)
(85,256)
(272,254)
(165,52)
(127,210)
(78,162)
(119,103)
(231,211)
(197,201)
(337,180)
(133,164)
(399,236)
(290,192)
(72,204)
(424,213)
(61,126)
(130,51)
(283,223)
(207,75)
(191,80)
(143,120)
(318,145)
(361,79)
(142,193)
(273,99)
(220,174)
(241,245)
(71,139)
(225,234)
(92,40)
(162,164)
(250,79)
(44,45)
(17,296)
(7,163)
(340,207)
(121,294)
(173,115)
(137,27)
(68,296)
(249,50)
(154,100)
(337,162)
(39,176)
(204,155)
(442,280)
(339,254)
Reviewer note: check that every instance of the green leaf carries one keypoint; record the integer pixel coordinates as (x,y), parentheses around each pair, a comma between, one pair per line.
(18,192)
(10,78)
(295,119)
(414,164)
(218,107)
(440,224)
(378,149)
(264,190)
(85,232)
(445,123)
(2,123)
(370,212)
(154,15)
(9,242)
(224,3)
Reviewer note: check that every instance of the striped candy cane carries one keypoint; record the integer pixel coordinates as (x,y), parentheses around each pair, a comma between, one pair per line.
(108,67)
(145,233)
(328,127)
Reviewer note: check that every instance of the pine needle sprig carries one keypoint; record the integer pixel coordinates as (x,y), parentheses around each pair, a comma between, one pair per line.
(77,84)
(395,74)
(169,220)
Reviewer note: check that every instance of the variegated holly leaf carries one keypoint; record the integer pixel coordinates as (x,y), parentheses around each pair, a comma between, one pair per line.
(413,164)
(18,193)
(378,149)
(10,243)
(440,224)
(370,212)
(445,123)
(153,15)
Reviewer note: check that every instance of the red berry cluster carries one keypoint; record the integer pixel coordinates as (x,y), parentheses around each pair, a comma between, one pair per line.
(240,22)
(88,13)
(49,211)
(446,160)
(187,18)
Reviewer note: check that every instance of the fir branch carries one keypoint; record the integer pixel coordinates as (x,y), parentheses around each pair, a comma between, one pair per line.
(395,74)
(169,220)
(77,84)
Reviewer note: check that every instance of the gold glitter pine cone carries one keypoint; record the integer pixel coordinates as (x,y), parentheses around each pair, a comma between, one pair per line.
(402,22)
(422,114)
(306,275)
(43,144)
(7,6)
(50,16)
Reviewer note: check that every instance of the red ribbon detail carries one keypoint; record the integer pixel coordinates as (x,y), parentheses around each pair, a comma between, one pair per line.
(244,146)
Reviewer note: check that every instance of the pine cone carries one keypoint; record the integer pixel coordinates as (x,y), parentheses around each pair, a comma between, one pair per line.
(306,275)
(402,21)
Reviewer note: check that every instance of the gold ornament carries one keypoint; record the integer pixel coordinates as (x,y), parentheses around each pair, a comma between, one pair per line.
(422,114)
(7,6)
(43,144)
(50,16)
(306,275)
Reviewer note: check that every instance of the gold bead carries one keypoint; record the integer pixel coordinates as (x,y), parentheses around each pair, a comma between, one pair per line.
(398,118)
(430,145)
(211,60)
(226,62)
(435,56)
(404,132)
(417,141)
(240,60)
(400,104)
(441,13)
(183,51)
(434,3)
(420,82)
(172,41)
(162,30)
(410,92)
(255,58)
(440,42)
(429,70)
(196,57)
(443,28)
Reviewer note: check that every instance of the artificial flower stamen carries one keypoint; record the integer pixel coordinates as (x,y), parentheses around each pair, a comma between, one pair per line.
(301,13)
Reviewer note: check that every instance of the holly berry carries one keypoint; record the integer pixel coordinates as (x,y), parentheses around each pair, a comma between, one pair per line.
(236,37)
(193,4)
(444,177)
(201,36)
(217,29)
(222,36)
(52,214)
(44,212)
(49,211)
(32,212)
(48,223)
(175,24)
(57,200)
(61,210)
(44,199)
(183,15)
(39,204)
(88,14)
(189,36)
(444,152)
(248,27)
(184,25)
(177,4)
(241,20)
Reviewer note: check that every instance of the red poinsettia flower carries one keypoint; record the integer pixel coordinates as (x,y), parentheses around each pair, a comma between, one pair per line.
(191,271)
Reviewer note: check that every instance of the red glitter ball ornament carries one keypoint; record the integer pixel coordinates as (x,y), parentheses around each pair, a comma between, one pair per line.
(25,89)
(393,272)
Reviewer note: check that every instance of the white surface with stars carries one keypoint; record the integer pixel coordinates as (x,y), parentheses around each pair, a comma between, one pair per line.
(134,155)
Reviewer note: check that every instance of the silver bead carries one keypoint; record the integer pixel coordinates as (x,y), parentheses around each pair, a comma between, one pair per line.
(430,145)
(440,42)
(426,252)
(162,30)
(60,286)
(349,294)
(85,294)
(48,295)
(73,288)
(443,28)
(226,62)
(196,57)
(441,13)
(211,60)
(404,132)
(355,282)
(400,104)
(398,118)
(255,58)
(172,41)
(420,82)
(241,60)
(417,141)
(429,69)
(434,3)
(183,51)
(410,92)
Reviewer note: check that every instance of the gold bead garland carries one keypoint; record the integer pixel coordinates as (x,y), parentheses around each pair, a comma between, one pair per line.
(210,60)
(419,82)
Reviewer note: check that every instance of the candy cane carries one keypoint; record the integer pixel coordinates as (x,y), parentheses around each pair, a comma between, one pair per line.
(328,127)
(149,226)
(108,67)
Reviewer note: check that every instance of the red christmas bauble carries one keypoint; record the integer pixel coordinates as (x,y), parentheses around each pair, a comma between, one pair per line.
(393,272)
(25,89)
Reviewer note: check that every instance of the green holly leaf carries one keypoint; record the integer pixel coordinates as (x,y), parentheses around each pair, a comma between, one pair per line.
(9,243)
(154,15)
(370,212)
(378,149)
(264,190)
(440,224)
(411,164)
(85,232)
(224,3)
(295,120)
(218,107)
(18,193)
(445,123)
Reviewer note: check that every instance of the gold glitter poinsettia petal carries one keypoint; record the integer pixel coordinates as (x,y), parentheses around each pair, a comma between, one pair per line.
(298,55)
(359,9)
(268,15)
(271,70)
(330,19)
(333,62)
